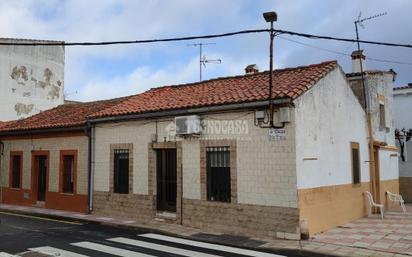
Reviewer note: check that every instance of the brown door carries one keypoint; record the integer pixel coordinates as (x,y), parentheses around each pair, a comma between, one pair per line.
(376,177)
(40,166)
(166,179)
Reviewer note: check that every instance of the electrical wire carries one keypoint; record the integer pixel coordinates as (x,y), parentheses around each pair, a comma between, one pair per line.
(342,53)
(229,34)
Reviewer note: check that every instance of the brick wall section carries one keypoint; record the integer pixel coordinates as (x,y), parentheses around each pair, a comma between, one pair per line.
(133,206)
(242,219)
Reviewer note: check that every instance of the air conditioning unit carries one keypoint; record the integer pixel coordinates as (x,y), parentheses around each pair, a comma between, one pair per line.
(187,125)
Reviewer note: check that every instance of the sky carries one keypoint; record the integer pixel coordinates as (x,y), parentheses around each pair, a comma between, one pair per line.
(102,72)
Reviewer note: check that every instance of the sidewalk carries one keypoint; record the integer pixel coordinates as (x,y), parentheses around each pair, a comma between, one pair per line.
(343,241)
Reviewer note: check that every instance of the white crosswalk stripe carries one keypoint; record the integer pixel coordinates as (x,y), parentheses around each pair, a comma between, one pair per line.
(4,254)
(110,250)
(160,247)
(210,246)
(56,252)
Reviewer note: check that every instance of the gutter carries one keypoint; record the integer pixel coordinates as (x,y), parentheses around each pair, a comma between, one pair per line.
(227,107)
(42,131)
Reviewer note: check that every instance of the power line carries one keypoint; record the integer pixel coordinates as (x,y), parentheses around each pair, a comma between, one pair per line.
(343,53)
(229,34)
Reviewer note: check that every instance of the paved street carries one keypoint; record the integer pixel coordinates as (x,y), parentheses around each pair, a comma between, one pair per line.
(24,235)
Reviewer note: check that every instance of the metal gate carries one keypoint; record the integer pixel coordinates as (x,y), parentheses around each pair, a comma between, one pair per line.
(166,179)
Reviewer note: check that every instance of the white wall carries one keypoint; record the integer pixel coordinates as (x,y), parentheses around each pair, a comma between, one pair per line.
(402,105)
(31,79)
(382,84)
(328,118)
(388,165)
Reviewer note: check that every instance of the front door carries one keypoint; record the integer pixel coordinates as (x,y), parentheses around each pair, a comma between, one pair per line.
(376,176)
(41,172)
(166,179)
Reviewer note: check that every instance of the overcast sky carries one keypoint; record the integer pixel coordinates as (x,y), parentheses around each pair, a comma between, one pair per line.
(110,71)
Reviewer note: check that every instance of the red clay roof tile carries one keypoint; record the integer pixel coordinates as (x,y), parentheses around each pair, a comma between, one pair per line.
(63,116)
(290,82)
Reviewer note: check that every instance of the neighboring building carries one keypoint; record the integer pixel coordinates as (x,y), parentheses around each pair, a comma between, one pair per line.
(379,85)
(45,158)
(403,119)
(31,78)
(150,159)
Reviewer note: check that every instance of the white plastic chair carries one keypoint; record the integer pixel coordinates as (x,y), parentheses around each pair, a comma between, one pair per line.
(373,204)
(397,199)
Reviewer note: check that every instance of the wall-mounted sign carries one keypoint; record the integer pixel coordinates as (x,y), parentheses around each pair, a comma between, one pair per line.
(277,134)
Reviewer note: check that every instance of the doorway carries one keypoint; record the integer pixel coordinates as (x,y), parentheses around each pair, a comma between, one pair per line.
(376,176)
(40,177)
(166,180)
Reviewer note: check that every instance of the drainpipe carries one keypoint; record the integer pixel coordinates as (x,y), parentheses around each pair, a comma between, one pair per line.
(1,170)
(90,135)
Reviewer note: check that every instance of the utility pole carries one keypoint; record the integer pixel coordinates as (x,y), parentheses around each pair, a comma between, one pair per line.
(373,177)
(271,17)
(202,59)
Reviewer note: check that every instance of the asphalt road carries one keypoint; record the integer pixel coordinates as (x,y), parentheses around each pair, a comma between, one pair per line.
(22,235)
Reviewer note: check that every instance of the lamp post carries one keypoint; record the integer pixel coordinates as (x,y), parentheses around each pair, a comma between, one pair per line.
(271,17)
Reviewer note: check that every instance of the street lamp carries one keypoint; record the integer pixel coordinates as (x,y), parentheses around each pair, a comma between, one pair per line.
(271,17)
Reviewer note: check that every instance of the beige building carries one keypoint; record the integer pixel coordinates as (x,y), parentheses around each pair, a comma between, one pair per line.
(45,158)
(238,174)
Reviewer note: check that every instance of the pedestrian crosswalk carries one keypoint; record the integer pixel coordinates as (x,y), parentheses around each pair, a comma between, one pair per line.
(145,245)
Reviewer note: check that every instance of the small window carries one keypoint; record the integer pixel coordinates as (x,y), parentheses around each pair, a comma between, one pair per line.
(356,170)
(68,174)
(382,118)
(121,171)
(218,174)
(16,169)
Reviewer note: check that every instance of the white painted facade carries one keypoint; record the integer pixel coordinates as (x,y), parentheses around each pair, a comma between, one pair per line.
(403,120)
(31,79)
(328,118)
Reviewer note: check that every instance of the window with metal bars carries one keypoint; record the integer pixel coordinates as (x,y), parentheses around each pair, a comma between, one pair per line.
(68,174)
(218,174)
(121,171)
(16,162)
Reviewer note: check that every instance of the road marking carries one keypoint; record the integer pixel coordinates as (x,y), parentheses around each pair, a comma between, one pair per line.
(4,254)
(162,248)
(110,250)
(40,218)
(210,246)
(56,252)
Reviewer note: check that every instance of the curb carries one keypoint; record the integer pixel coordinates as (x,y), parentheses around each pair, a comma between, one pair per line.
(281,251)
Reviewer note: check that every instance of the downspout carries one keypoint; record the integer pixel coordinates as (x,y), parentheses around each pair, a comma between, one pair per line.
(90,168)
(1,170)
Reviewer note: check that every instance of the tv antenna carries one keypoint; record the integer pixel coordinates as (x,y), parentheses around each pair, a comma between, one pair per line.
(359,22)
(202,59)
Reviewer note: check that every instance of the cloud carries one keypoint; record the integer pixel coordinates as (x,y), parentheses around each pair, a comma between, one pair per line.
(110,71)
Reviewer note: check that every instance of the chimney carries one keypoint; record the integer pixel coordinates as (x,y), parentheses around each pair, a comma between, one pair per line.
(356,56)
(251,69)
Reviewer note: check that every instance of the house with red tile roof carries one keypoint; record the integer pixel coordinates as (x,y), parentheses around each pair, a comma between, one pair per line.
(221,155)
(45,158)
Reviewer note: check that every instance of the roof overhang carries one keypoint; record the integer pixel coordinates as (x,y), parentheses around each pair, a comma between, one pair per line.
(18,133)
